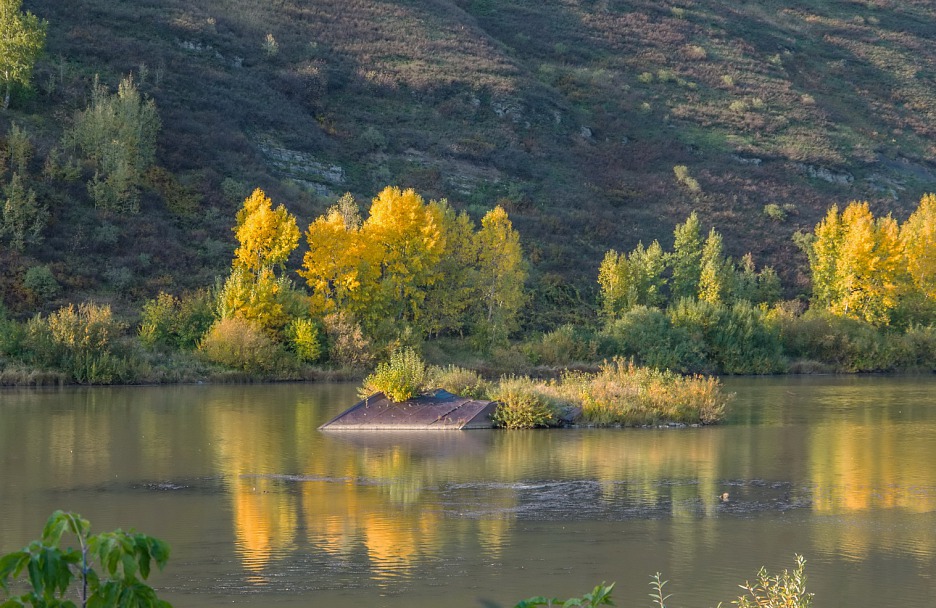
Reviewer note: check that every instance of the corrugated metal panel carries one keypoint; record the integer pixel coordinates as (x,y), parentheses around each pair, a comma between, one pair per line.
(439,411)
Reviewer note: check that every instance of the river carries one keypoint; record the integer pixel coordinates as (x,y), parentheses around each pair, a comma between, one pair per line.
(262,509)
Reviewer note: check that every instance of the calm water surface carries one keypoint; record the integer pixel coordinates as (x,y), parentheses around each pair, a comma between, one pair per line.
(261,509)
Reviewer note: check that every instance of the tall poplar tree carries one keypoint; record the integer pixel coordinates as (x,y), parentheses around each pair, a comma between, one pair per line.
(686,259)
(333,267)
(918,237)
(501,274)
(254,291)
(403,245)
(713,276)
(857,264)
(22,38)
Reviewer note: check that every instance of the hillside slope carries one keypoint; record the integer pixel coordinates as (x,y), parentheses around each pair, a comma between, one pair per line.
(570,113)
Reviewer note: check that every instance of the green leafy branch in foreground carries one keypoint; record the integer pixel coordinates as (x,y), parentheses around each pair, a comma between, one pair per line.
(123,558)
(599,596)
(785,590)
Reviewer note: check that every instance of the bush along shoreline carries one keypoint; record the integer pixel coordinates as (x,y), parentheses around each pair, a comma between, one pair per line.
(620,394)
(457,292)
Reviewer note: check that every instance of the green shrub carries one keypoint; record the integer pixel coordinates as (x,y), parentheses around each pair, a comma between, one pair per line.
(916,348)
(400,378)
(599,596)
(848,345)
(304,340)
(40,281)
(176,322)
(11,334)
(786,590)
(736,339)
(562,346)
(81,342)
(108,569)
(458,381)
(242,345)
(522,404)
(647,335)
(775,212)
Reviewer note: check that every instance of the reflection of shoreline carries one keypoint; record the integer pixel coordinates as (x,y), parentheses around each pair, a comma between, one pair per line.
(397,498)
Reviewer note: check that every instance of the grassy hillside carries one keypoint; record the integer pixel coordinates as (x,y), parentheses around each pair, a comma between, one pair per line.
(570,113)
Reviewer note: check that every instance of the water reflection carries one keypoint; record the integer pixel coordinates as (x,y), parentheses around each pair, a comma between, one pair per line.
(850,461)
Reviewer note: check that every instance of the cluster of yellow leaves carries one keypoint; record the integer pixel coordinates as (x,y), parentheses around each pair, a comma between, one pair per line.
(267,236)
(413,265)
(254,291)
(410,268)
(863,267)
(918,238)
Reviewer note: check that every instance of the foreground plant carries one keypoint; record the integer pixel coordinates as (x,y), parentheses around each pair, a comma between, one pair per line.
(123,563)
(785,590)
(599,596)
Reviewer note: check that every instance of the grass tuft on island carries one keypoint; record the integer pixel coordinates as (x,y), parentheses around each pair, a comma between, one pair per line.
(619,394)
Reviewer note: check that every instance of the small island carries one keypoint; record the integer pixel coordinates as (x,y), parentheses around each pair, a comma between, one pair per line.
(406,394)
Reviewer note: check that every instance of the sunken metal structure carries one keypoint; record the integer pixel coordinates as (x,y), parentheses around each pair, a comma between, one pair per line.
(440,410)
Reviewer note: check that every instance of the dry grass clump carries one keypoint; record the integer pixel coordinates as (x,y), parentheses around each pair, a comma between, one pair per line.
(458,381)
(620,394)
(623,393)
(242,345)
(523,404)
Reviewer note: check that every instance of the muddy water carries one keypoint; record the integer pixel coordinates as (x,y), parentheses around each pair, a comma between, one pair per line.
(262,509)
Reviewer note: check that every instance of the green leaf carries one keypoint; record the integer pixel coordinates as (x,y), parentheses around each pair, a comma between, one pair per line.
(535,601)
(600,595)
(12,564)
(159,550)
(54,528)
(35,573)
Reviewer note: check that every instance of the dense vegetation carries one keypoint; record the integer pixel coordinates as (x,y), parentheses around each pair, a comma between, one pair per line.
(105,570)
(136,143)
(619,394)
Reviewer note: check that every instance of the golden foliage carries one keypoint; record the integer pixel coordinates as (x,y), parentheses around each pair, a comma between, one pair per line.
(332,267)
(267,236)
(501,274)
(413,268)
(857,264)
(918,237)
(404,245)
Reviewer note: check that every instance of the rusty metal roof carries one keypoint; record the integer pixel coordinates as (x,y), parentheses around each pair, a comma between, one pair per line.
(440,410)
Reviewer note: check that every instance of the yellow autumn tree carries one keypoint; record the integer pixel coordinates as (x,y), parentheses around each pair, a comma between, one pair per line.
(403,245)
(824,253)
(447,300)
(333,267)
(633,279)
(501,275)
(254,291)
(266,235)
(857,264)
(918,237)
(714,270)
